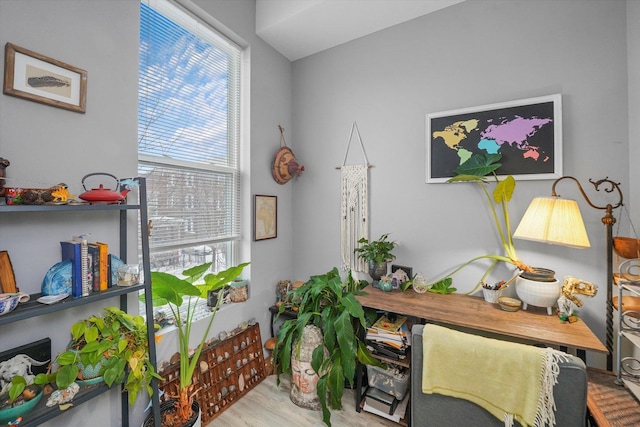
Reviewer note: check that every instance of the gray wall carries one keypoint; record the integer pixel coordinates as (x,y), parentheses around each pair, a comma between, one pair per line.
(470,54)
(47,145)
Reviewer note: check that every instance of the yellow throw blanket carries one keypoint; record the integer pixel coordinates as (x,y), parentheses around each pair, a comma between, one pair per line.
(510,380)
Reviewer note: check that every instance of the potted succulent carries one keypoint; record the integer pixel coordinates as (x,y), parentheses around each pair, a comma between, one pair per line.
(377,253)
(476,169)
(168,289)
(326,303)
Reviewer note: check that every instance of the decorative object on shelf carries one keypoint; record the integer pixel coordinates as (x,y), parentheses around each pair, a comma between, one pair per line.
(128,275)
(377,254)
(539,288)
(558,221)
(531,129)
(285,165)
(38,78)
(282,288)
(420,284)
(385,284)
(354,206)
(571,288)
(8,302)
(4,163)
(509,304)
(326,300)
(104,193)
(173,291)
(7,276)
(62,396)
(239,290)
(265,217)
(55,195)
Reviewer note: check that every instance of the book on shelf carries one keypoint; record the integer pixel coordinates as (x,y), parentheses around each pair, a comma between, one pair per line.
(400,339)
(72,251)
(94,260)
(391,325)
(104,265)
(84,264)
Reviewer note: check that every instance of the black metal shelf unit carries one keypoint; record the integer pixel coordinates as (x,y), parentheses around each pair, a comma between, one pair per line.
(34,309)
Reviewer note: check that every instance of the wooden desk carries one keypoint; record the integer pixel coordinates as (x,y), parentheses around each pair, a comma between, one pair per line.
(532,325)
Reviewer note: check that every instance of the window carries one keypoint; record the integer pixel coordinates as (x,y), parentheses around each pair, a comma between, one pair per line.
(188,138)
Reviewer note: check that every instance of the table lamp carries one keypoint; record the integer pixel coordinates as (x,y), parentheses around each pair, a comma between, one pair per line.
(558,221)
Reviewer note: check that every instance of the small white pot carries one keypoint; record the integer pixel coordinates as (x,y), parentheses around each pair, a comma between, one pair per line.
(538,294)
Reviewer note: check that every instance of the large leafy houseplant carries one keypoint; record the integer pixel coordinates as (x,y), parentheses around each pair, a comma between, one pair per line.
(113,345)
(476,169)
(324,301)
(174,291)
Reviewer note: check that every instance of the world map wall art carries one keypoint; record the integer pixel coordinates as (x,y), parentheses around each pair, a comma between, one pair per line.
(528,134)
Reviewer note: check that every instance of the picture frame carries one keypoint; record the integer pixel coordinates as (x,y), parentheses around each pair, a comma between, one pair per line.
(265,217)
(527,132)
(35,77)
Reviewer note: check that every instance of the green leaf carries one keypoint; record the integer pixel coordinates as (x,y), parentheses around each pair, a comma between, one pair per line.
(18,384)
(91,334)
(66,375)
(504,190)
(479,165)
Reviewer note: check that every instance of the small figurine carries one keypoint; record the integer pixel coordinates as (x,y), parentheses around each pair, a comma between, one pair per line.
(59,397)
(570,289)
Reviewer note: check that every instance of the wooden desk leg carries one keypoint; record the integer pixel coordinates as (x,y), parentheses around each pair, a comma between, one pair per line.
(273,315)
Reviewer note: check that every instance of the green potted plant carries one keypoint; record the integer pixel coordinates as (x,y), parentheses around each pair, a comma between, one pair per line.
(112,346)
(328,304)
(168,289)
(377,253)
(476,169)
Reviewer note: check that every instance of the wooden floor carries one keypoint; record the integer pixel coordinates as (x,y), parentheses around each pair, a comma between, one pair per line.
(269,405)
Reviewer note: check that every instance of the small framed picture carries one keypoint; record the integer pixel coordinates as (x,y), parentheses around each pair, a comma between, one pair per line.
(35,77)
(265,217)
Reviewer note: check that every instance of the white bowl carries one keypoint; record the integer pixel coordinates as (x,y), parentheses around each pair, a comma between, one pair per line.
(538,294)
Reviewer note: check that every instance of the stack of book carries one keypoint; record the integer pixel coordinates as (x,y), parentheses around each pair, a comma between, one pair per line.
(89,265)
(389,337)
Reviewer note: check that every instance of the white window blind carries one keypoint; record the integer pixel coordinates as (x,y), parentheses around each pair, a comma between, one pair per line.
(188,137)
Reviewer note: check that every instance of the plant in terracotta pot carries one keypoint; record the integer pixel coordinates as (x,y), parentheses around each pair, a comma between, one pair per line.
(174,291)
(329,305)
(377,253)
(476,169)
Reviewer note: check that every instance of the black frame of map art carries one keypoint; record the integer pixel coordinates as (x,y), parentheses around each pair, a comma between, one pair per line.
(538,156)
(263,233)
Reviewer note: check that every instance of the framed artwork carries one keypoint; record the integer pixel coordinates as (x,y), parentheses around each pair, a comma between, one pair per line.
(528,134)
(265,217)
(35,77)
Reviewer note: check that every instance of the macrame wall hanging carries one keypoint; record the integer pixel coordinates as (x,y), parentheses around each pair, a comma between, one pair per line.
(354,206)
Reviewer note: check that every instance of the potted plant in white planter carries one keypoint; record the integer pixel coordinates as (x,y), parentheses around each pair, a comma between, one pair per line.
(168,289)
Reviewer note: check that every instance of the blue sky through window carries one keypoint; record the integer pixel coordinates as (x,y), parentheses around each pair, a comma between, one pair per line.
(183,95)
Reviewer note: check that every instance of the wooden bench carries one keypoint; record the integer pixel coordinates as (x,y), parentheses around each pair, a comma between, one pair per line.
(610,404)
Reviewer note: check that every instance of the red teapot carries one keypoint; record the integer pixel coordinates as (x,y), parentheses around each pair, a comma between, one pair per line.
(102,194)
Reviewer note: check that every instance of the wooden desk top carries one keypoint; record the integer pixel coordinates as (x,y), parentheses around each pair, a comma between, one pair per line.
(532,325)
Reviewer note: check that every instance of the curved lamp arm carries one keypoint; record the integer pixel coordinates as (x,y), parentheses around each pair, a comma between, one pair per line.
(608,220)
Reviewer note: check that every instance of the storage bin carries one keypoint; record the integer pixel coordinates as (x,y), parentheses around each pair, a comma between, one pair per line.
(393,380)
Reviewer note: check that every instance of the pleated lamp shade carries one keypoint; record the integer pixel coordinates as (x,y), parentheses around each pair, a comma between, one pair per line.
(553,220)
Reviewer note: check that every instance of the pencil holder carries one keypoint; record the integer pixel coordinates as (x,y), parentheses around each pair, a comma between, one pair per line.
(491,295)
